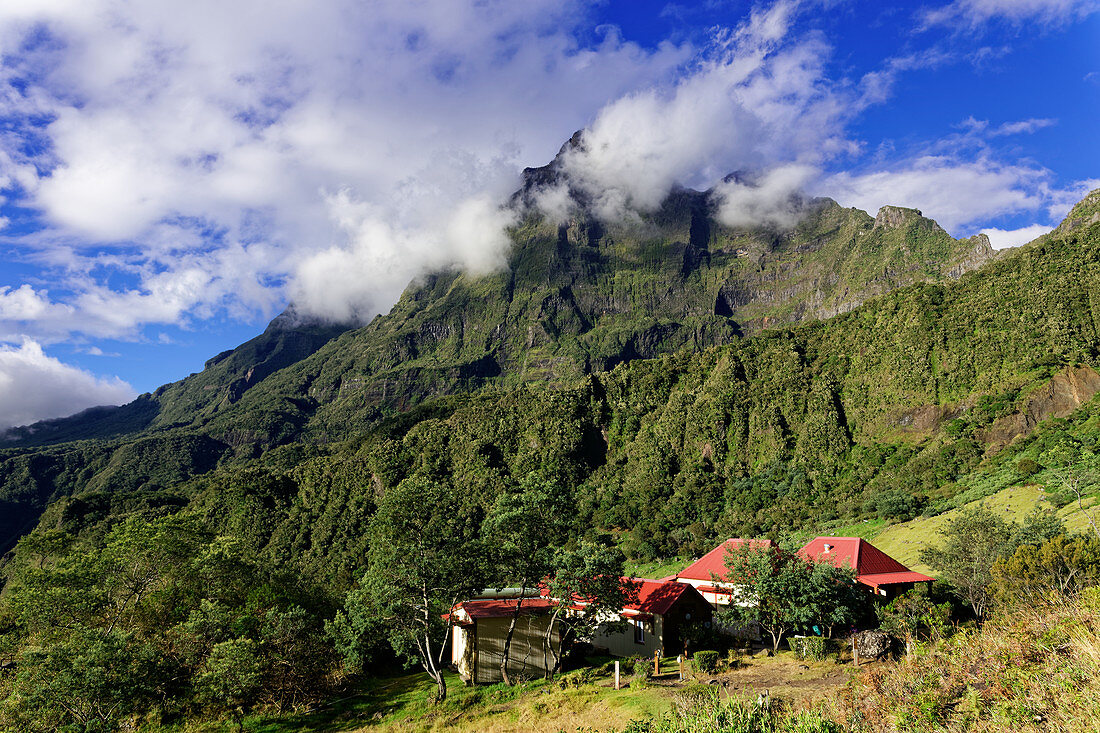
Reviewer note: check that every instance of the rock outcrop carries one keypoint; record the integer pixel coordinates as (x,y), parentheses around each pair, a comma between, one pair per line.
(1066,392)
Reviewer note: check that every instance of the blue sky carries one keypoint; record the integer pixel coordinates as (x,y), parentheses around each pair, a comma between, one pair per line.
(172,175)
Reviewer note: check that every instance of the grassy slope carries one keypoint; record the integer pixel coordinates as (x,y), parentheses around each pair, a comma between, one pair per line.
(904,541)
(401,703)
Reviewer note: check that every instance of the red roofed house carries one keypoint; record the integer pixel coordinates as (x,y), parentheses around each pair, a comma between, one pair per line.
(884,575)
(653,622)
(480,628)
(656,620)
(702,573)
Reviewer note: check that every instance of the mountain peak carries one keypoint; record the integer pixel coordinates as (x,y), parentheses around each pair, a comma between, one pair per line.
(1084,213)
(896,217)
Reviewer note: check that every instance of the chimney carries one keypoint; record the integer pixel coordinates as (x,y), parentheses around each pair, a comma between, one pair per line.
(828,547)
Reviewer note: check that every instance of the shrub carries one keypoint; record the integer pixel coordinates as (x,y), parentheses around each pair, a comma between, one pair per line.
(1027,467)
(706,661)
(809,647)
(577,678)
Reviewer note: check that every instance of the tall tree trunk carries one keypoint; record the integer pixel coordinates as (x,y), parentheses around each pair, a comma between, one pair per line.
(548,642)
(508,638)
(433,668)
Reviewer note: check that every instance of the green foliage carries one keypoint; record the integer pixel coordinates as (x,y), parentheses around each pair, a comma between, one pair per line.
(913,614)
(1046,572)
(592,574)
(90,680)
(977,539)
(149,616)
(231,678)
(705,660)
(810,647)
(704,710)
(425,557)
(781,591)
(971,543)
(1026,467)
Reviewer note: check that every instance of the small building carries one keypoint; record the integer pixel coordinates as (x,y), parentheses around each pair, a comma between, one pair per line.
(883,575)
(656,621)
(481,628)
(709,575)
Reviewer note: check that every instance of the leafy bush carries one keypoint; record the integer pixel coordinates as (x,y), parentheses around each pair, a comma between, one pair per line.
(703,710)
(706,661)
(809,647)
(1027,467)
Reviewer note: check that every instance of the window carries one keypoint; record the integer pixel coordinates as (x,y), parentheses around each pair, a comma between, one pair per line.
(639,632)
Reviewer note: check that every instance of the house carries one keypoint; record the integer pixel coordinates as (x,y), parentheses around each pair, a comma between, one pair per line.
(882,574)
(480,629)
(708,574)
(656,621)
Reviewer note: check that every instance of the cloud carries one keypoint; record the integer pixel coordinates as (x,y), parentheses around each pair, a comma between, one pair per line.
(1019,127)
(954,192)
(34,386)
(977,12)
(1001,238)
(773,198)
(215,168)
(758,101)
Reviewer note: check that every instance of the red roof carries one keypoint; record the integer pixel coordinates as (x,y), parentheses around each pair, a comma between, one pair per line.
(873,566)
(851,552)
(502,607)
(714,562)
(876,579)
(655,596)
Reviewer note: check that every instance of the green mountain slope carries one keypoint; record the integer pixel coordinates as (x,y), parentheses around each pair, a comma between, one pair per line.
(574,298)
(890,410)
(846,417)
(584,297)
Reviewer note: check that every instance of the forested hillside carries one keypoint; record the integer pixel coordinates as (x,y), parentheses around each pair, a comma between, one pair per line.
(576,299)
(171,566)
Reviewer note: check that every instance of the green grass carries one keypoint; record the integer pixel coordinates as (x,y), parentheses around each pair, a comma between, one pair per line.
(905,540)
(403,704)
(657,569)
(866,529)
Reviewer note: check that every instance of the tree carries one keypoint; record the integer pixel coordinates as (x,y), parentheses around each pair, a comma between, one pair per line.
(91,680)
(972,542)
(1076,468)
(833,597)
(586,590)
(521,531)
(910,613)
(424,558)
(774,589)
(1041,575)
(355,631)
(232,678)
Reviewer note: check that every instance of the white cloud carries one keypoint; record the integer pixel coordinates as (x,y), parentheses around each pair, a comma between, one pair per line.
(771,199)
(1001,238)
(202,157)
(1018,127)
(976,12)
(34,386)
(757,103)
(954,192)
(196,147)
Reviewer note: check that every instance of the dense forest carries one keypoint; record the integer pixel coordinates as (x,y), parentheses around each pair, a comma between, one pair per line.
(209,551)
